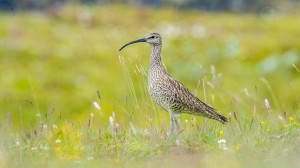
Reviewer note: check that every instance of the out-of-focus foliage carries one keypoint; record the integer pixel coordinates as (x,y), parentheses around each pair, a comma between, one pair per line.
(211,5)
(58,59)
(52,63)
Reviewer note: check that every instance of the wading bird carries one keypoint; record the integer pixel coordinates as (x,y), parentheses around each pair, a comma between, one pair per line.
(169,93)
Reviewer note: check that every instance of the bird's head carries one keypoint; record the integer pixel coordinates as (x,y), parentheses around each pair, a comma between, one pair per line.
(152,38)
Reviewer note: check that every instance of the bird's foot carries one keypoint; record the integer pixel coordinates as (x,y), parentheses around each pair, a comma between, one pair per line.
(177,142)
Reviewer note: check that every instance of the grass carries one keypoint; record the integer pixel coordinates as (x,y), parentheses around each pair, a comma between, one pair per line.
(52,66)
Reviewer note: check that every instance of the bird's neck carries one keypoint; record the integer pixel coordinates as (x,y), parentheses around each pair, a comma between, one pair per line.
(155,59)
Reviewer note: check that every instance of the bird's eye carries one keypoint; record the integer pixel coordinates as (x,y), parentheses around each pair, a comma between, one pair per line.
(152,37)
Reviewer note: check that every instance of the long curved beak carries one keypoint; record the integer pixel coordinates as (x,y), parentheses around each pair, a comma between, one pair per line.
(135,41)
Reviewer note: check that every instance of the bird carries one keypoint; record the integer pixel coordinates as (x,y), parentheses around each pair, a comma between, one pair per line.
(170,94)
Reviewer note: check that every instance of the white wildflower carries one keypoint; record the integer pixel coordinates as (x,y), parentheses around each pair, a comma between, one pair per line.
(45,126)
(222,141)
(54,126)
(280,117)
(267,104)
(96,105)
(146,132)
(17,143)
(44,148)
(92,115)
(33,148)
(111,120)
(58,141)
(91,158)
(117,127)
(222,144)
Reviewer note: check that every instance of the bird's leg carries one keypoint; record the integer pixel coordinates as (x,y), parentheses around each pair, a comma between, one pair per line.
(177,127)
(171,128)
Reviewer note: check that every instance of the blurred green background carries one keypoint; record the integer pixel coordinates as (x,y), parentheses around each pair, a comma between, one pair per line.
(58,55)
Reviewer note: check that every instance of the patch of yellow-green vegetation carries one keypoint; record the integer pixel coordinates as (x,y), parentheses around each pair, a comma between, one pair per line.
(52,63)
(270,143)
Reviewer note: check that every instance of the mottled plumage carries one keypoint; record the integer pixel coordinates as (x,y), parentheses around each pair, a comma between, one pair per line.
(169,93)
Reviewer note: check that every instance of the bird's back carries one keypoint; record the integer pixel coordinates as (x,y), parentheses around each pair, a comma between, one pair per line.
(174,97)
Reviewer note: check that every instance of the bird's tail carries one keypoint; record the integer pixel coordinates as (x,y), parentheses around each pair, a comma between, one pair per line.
(209,112)
(222,119)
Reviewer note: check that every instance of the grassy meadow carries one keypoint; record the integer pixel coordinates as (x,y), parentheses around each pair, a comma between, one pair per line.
(69,98)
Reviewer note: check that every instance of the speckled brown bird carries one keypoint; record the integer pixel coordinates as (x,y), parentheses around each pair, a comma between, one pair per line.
(169,93)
